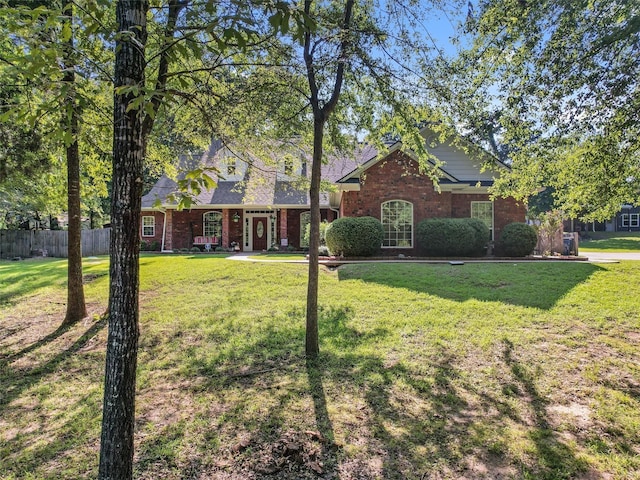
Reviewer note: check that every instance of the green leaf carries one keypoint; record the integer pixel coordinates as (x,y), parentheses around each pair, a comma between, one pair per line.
(66,32)
(149,110)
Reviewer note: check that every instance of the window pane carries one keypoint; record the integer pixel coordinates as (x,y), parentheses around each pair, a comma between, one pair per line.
(212,224)
(625,219)
(397,224)
(484,212)
(148,226)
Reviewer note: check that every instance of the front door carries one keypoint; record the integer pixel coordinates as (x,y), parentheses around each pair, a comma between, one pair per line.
(259,233)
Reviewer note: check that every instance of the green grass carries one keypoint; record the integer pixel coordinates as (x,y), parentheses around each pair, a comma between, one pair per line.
(611,241)
(515,370)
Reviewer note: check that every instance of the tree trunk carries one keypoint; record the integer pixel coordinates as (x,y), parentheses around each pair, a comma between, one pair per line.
(76,308)
(116,449)
(312,347)
(320,116)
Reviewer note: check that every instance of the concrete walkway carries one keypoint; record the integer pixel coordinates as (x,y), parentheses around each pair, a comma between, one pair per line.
(608,256)
(592,256)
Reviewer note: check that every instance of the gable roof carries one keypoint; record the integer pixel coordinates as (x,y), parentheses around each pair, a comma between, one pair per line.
(259,183)
(457,165)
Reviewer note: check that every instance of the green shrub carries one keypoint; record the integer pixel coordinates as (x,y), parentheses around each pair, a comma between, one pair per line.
(323,251)
(446,237)
(481,236)
(354,236)
(517,240)
(195,249)
(324,225)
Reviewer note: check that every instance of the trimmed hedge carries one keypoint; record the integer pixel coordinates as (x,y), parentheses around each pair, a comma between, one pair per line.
(517,240)
(481,237)
(354,236)
(445,237)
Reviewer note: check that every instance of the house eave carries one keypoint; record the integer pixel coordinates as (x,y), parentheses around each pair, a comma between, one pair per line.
(464,188)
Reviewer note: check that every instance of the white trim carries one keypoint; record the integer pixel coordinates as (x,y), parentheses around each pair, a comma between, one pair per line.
(301,233)
(462,188)
(247,227)
(153,217)
(412,223)
(164,230)
(207,234)
(493,215)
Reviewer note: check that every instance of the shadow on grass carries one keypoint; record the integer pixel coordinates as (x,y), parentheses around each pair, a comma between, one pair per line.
(15,381)
(22,278)
(6,359)
(59,432)
(555,458)
(395,419)
(537,285)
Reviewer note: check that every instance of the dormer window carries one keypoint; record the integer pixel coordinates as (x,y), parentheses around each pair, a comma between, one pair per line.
(288,166)
(232,168)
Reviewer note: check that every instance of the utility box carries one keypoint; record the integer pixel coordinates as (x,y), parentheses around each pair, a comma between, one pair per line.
(570,243)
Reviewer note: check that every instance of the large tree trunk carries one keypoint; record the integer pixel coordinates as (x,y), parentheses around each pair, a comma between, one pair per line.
(116,449)
(76,308)
(312,347)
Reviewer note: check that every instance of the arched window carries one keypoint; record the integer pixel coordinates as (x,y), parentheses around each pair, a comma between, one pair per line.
(305,221)
(397,222)
(212,224)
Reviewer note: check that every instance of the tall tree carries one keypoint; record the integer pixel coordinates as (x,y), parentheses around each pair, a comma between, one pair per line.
(76,307)
(185,32)
(556,85)
(42,60)
(363,63)
(321,112)
(118,411)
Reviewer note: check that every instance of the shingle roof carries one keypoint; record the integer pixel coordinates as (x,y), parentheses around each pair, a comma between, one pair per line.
(261,185)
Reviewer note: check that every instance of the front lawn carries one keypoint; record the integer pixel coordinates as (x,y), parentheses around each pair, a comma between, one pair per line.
(494,371)
(611,242)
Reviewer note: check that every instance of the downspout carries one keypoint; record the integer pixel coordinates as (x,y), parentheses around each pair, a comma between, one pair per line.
(335,210)
(164,228)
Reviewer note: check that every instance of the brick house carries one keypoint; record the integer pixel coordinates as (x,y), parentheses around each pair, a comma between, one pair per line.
(256,204)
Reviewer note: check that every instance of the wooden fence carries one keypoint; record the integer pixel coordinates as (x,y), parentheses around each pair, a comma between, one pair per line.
(51,243)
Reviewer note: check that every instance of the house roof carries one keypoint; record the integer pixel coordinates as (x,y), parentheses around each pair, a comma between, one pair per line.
(455,165)
(251,181)
(258,182)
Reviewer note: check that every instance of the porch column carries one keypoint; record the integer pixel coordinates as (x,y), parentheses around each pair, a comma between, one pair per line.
(283,225)
(225,227)
(168,234)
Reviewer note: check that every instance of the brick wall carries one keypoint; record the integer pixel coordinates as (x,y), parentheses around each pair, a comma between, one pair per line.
(506,211)
(398,178)
(184,225)
(235,228)
(157,237)
(187,224)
